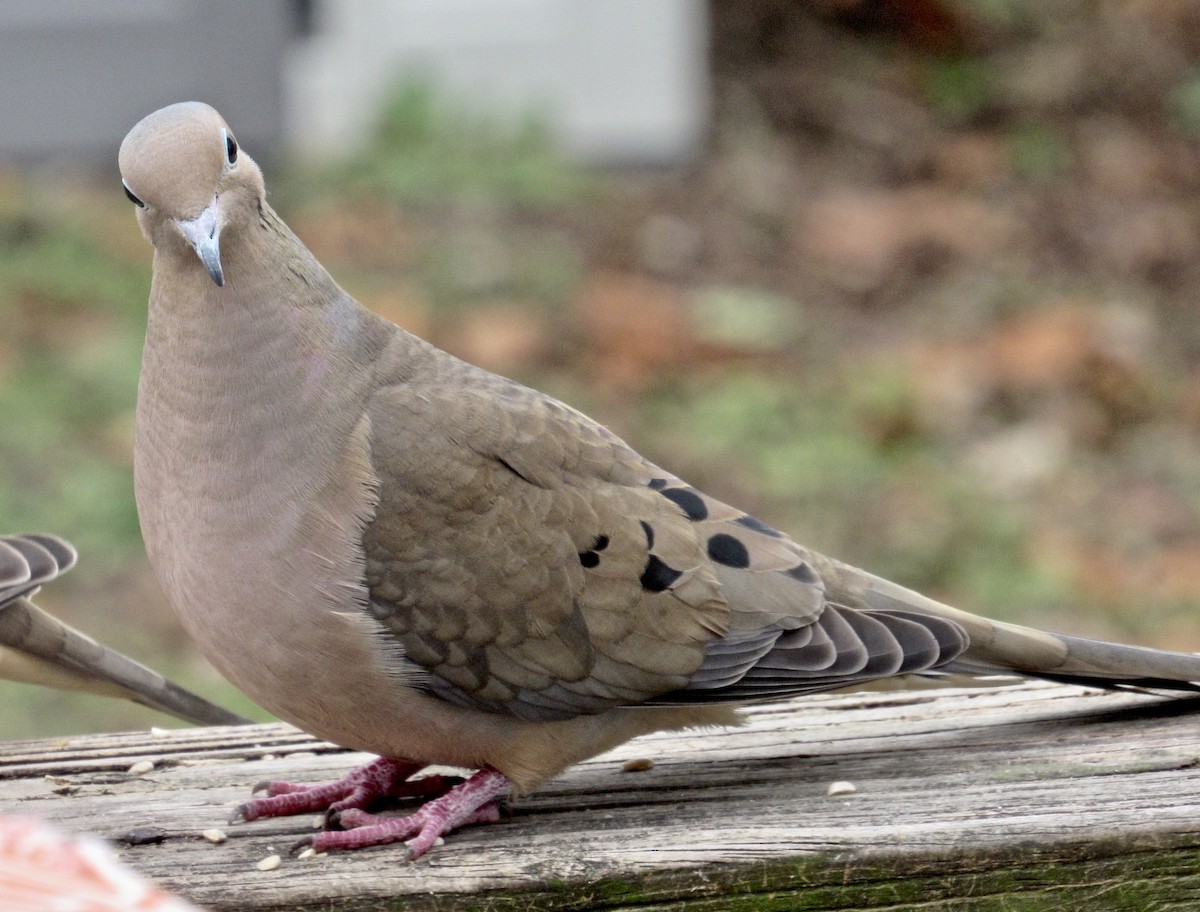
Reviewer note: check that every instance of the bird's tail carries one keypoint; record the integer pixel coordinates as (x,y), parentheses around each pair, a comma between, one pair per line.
(39,649)
(997,646)
(48,651)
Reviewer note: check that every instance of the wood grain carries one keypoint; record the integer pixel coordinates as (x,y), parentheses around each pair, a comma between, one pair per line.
(1029,797)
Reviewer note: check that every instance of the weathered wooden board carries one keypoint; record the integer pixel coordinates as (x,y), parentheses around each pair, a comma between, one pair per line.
(1032,797)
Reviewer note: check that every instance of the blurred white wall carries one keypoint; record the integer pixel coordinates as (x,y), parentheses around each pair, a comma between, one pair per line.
(619,80)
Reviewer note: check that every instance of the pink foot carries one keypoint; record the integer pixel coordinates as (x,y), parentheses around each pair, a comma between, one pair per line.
(468,802)
(382,778)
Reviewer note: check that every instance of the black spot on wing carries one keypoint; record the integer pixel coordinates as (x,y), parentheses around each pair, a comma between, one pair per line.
(691,502)
(657,484)
(658,576)
(649,530)
(727,550)
(591,557)
(758,525)
(803,573)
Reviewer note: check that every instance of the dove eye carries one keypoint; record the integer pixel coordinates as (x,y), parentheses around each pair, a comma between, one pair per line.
(231,149)
(132,198)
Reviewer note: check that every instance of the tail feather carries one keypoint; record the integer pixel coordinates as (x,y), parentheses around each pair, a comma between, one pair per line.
(997,646)
(39,648)
(27,561)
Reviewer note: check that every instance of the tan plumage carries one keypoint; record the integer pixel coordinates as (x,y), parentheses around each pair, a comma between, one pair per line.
(36,648)
(408,555)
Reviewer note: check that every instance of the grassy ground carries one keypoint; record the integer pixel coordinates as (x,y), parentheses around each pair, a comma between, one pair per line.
(927,302)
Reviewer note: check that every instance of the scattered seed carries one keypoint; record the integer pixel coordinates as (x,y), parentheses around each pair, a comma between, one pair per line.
(215,836)
(841,788)
(159,732)
(141,767)
(298,754)
(437,842)
(268,757)
(270,863)
(318,822)
(310,852)
(637,765)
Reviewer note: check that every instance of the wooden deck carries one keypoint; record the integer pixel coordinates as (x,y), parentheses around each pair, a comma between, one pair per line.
(1033,797)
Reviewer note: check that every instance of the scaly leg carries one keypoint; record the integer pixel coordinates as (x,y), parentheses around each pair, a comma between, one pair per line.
(472,801)
(453,803)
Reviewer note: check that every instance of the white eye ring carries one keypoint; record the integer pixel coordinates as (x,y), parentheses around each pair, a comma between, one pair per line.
(231,149)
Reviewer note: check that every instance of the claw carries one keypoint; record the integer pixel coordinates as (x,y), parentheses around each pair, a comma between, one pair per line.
(300,845)
(470,802)
(375,780)
(264,786)
(450,802)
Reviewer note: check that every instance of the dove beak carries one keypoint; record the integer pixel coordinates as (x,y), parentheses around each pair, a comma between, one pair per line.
(203,232)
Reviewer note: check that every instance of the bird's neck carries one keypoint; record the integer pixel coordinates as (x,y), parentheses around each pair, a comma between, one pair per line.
(238,373)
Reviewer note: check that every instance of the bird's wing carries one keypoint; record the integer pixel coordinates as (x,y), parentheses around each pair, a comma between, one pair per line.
(532,563)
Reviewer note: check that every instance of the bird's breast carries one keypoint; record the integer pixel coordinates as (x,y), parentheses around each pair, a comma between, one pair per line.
(252,498)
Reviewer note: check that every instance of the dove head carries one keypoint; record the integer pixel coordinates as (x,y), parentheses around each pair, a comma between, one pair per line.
(183,169)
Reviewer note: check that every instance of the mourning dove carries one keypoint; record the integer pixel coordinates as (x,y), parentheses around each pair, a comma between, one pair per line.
(410,556)
(36,648)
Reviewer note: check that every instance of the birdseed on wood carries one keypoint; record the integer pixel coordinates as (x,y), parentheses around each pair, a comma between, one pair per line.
(270,863)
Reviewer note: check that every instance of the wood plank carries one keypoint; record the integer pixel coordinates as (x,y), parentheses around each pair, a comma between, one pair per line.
(1029,797)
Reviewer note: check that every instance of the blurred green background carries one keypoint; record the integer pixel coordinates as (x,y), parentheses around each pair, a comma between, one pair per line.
(928,301)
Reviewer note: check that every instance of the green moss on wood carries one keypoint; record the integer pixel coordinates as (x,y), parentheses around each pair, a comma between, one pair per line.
(1119,874)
